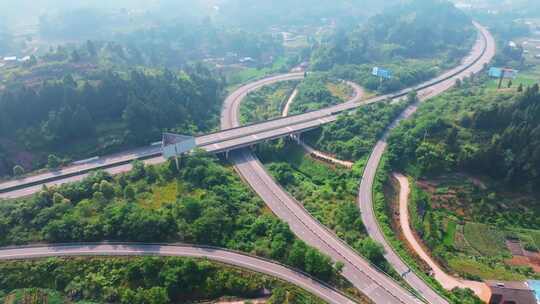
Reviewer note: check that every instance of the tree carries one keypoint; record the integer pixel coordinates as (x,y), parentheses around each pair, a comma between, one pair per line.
(372,250)
(510,83)
(318,264)
(69,81)
(53,162)
(283,173)
(297,254)
(129,193)
(58,198)
(137,170)
(520,88)
(18,170)
(91,48)
(433,157)
(75,57)
(107,189)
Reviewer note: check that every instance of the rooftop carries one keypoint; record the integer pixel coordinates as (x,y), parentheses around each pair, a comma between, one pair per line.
(511,292)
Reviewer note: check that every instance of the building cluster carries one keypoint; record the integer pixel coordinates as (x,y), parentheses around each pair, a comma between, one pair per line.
(513,292)
(12,60)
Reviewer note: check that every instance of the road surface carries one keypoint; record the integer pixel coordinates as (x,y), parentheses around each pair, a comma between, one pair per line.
(359,272)
(365,194)
(264,266)
(447,281)
(213,142)
(229,139)
(371,282)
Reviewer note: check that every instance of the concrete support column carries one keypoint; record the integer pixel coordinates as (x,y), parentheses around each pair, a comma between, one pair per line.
(296,137)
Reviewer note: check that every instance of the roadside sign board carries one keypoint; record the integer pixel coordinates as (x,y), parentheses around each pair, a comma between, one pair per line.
(380,72)
(175,145)
(498,73)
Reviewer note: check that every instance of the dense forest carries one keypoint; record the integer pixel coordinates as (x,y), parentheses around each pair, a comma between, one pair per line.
(204,203)
(261,15)
(107,111)
(150,42)
(179,43)
(147,280)
(415,29)
(497,136)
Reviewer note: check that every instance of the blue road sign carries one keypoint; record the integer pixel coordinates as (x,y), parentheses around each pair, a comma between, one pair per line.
(498,72)
(380,72)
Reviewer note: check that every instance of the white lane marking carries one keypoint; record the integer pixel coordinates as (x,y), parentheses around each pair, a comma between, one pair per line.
(368,290)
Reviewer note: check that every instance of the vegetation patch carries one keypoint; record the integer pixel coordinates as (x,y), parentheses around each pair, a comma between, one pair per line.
(315,93)
(486,240)
(327,192)
(79,118)
(203,203)
(353,136)
(467,200)
(145,280)
(450,233)
(266,103)
(474,269)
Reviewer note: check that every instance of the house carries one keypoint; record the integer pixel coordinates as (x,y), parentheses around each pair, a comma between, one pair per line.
(511,293)
(246,60)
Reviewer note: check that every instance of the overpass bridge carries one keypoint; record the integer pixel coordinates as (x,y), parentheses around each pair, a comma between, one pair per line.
(238,136)
(357,270)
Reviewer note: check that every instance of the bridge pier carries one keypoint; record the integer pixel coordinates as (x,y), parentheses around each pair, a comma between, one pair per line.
(178,159)
(296,137)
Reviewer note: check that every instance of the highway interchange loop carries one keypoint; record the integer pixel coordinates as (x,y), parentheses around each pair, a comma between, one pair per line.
(365,277)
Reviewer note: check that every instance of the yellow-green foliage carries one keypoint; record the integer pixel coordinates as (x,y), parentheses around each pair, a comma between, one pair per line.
(468,266)
(487,240)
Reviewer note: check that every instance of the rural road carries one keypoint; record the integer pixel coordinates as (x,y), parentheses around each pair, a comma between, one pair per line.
(264,266)
(365,193)
(447,281)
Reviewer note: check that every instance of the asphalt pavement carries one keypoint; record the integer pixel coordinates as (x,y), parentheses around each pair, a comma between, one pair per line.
(260,265)
(365,194)
(373,283)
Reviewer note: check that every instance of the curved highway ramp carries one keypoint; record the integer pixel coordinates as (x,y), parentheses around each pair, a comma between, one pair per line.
(318,288)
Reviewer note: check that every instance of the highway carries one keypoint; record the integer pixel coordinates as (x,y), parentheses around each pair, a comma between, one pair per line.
(365,193)
(225,140)
(236,259)
(374,284)
(229,139)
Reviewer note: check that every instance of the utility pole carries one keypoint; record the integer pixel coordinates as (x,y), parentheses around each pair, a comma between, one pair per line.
(501,78)
(177,161)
